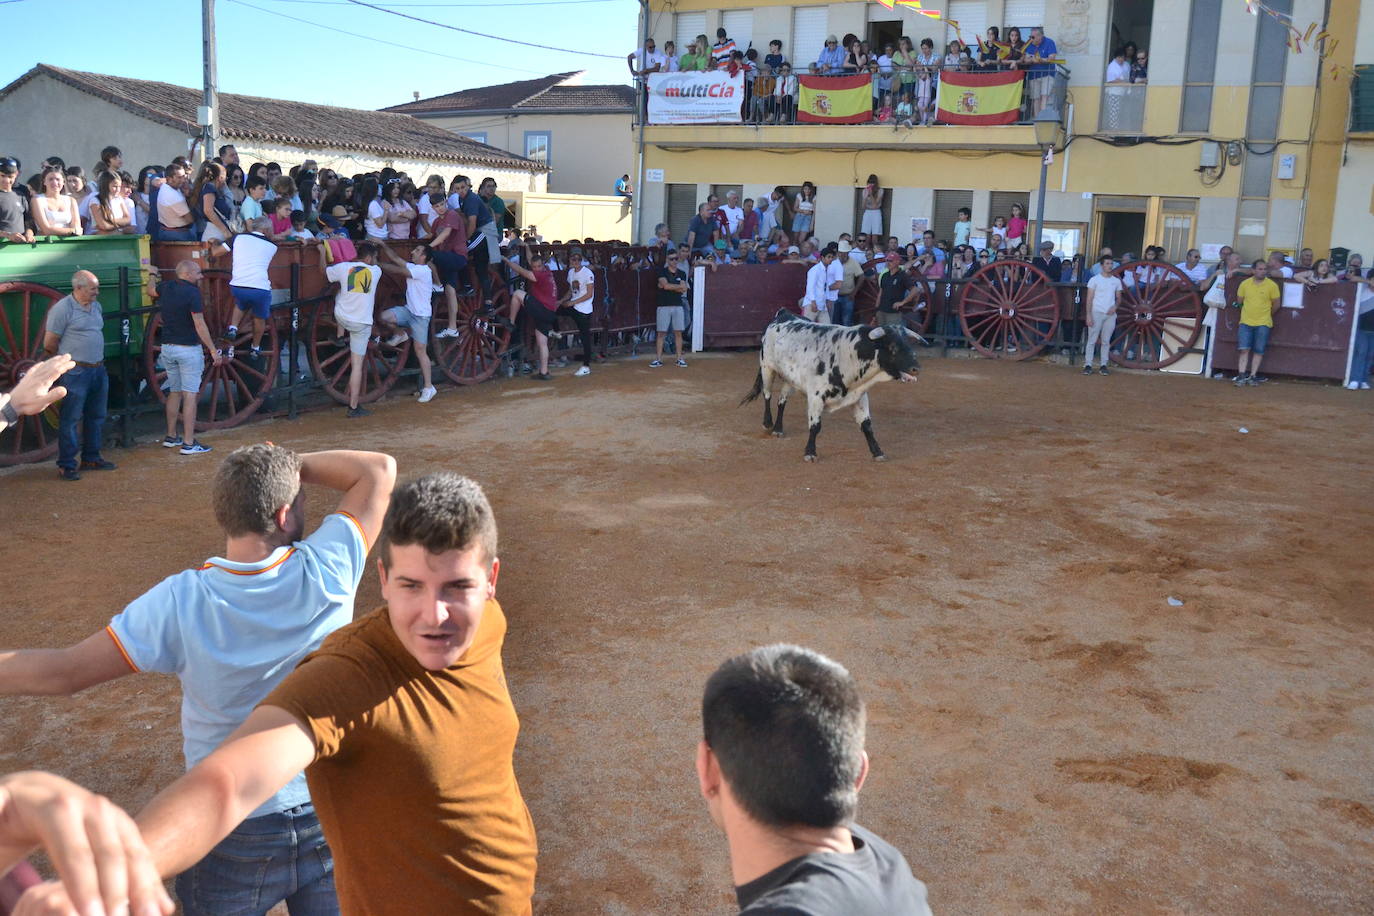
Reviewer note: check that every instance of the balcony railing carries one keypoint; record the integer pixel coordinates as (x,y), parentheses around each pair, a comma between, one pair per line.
(907,96)
(1123,108)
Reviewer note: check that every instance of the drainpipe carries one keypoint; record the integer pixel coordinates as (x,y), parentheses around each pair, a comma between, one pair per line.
(641,115)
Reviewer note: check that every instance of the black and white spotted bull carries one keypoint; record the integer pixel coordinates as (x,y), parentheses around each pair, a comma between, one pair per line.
(835,366)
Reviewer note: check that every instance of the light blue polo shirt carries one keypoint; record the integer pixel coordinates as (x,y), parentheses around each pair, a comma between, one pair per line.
(232,631)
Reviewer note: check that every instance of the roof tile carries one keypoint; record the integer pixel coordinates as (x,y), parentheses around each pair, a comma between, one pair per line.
(545,93)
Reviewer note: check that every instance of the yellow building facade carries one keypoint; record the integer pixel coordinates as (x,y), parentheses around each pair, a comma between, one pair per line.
(1234,139)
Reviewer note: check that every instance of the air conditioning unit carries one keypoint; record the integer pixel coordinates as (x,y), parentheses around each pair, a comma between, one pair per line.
(1210,157)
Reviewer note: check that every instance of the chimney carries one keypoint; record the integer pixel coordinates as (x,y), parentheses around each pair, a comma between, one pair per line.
(416,95)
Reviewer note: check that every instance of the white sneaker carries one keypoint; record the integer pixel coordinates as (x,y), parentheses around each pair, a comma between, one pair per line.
(585,370)
(447,332)
(395,340)
(427,394)
(1364,386)
(1352,386)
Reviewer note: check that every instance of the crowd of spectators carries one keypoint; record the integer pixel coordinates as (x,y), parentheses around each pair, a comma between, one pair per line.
(904,80)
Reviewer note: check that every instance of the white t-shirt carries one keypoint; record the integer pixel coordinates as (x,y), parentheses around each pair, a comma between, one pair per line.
(647,59)
(252,254)
(375,212)
(579,282)
(167,198)
(1106,288)
(805,205)
(1118,71)
(1285,272)
(357,290)
(419,289)
(735,215)
(1196,274)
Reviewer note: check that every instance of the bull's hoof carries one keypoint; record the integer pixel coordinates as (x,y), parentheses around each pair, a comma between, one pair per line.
(777,434)
(808,457)
(768,426)
(880,457)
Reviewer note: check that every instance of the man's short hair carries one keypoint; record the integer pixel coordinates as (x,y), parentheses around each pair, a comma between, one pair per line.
(440,512)
(261,224)
(252,484)
(1105,258)
(257,181)
(1259,262)
(438,197)
(367,250)
(787,726)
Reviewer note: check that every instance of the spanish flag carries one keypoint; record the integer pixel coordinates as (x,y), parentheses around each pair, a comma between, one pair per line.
(979,98)
(834,99)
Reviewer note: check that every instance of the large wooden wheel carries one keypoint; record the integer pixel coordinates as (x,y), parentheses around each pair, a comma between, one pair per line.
(23,310)
(234,390)
(476,352)
(331,363)
(1158,318)
(918,318)
(1008,310)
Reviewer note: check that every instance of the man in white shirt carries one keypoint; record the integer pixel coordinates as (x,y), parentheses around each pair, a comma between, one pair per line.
(649,60)
(176,224)
(1279,266)
(734,214)
(577,304)
(252,253)
(1104,289)
(820,285)
(411,321)
(353,306)
(1193,267)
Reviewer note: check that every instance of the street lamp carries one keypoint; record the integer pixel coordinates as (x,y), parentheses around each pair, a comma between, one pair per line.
(1048,131)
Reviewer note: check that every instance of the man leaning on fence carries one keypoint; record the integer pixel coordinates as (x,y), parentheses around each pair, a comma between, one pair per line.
(75,326)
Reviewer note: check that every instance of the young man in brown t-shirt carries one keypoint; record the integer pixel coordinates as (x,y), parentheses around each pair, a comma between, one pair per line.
(404,726)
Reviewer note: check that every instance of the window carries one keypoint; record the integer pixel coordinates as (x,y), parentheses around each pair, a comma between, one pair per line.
(720,190)
(809,28)
(739,26)
(972,16)
(1200,66)
(479,135)
(1362,99)
(1000,205)
(688,27)
(1022,13)
(537,146)
(1266,100)
(681,207)
(947,204)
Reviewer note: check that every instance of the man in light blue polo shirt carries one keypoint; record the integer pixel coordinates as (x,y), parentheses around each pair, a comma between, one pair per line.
(230,631)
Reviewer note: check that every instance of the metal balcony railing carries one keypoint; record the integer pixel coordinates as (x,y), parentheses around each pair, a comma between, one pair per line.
(1123,108)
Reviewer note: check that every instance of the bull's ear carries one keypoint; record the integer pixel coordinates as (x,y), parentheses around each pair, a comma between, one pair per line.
(877,333)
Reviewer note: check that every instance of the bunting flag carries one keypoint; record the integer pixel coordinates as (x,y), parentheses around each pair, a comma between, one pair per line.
(834,99)
(979,98)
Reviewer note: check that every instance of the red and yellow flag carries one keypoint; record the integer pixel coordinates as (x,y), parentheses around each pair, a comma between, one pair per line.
(979,98)
(834,99)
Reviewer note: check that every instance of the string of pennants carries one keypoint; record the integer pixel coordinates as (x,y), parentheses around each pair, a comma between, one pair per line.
(1298,39)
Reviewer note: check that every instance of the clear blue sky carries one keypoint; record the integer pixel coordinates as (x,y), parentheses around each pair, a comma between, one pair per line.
(319,65)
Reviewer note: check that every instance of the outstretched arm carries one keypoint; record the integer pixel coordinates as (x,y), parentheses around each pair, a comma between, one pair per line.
(62,672)
(185,820)
(35,393)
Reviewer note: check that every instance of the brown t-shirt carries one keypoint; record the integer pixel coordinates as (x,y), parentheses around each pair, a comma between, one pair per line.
(413,778)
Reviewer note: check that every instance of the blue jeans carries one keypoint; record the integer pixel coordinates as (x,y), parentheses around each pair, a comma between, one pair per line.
(88,388)
(265,860)
(1364,356)
(184,234)
(843,311)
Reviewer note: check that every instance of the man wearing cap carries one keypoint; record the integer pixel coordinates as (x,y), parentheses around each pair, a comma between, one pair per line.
(851,274)
(75,326)
(14,207)
(831,59)
(1047,262)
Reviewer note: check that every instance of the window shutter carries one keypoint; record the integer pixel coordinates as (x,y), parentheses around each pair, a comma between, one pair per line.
(739,26)
(1024,14)
(947,204)
(972,16)
(810,25)
(689,26)
(682,206)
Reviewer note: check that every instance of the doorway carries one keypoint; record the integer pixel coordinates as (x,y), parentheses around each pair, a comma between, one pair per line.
(1123,233)
(1130,22)
(883,33)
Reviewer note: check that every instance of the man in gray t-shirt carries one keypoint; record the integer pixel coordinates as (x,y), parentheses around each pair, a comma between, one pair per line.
(75,326)
(14,207)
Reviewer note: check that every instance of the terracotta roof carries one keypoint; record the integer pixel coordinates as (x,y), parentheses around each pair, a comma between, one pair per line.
(544,94)
(244,117)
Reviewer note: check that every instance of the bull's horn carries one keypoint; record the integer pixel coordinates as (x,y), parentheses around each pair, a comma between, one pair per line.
(876,333)
(912,334)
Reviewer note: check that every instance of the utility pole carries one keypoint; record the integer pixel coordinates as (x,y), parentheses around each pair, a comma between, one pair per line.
(208,115)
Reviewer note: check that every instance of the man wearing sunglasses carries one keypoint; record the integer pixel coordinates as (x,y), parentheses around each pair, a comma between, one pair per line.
(14,207)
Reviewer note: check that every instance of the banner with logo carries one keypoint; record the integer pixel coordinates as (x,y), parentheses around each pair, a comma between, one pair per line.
(979,98)
(693,97)
(834,99)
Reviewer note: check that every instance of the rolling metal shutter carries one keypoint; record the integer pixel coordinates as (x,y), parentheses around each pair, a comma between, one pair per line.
(688,27)
(1024,14)
(972,16)
(1001,205)
(947,204)
(810,25)
(739,26)
(682,206)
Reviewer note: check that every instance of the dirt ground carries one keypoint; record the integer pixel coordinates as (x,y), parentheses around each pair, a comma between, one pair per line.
(1048,733)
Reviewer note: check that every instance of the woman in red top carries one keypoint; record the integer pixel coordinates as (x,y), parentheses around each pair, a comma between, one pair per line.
(542,295)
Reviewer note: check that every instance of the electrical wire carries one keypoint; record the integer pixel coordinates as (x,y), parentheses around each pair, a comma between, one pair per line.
(514,41)
(394,44)
(523,3)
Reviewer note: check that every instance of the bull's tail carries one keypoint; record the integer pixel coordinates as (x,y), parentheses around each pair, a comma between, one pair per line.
(756,390)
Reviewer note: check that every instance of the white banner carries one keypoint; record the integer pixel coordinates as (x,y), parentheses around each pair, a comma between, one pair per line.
(712,97)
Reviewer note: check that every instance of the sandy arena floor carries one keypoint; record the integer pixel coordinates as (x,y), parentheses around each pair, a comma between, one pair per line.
(1048,734)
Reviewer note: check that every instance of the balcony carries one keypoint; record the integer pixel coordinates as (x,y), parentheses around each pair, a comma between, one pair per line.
(1123,109)
(774,118)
